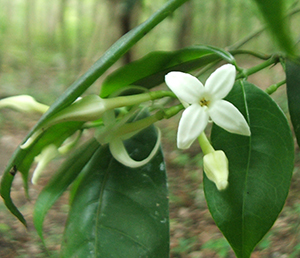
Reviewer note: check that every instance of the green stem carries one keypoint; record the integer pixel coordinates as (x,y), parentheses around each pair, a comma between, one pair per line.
(252,53)
(130,100)
(271,89)
(115,52)
(205,144)
(134,127)
(247,39)
(206,68)
(246,72)
(257,33)
(172,111)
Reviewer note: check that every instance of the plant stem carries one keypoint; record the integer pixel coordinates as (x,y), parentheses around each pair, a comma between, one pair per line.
(252,53)
(257,33)
(271,89)
(133,127)
(205,144)
(115,52)
(246,72)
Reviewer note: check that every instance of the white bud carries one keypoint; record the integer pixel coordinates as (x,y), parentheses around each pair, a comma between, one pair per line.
(216,168)
(24,103)
(47,154)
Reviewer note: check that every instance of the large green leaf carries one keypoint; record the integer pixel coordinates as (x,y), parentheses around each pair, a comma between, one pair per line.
(273,13)
(114,53)
(118,211)
(65,175)
(293,94)
(260,170)
(150,70)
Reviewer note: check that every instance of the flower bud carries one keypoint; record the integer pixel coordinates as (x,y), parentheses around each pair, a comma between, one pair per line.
(88,108)
(216,168)
(24,103)
(47,154)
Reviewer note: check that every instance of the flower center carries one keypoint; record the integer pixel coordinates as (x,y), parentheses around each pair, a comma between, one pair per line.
(204,102)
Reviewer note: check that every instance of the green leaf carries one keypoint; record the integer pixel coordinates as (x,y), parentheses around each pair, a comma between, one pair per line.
(273,13)
(150,70)
(260,170)
(119,211)
(293,94)
(21,161)
(114,53)
(65,175)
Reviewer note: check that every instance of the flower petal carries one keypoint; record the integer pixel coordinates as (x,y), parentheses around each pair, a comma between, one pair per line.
(227,116)
(120,153)
(193,121)
(185,86)
(220,82)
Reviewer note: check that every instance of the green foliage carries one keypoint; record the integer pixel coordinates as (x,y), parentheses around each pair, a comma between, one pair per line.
(23,158)
(119,211)
(79,86)
(273,12)
(150,70)
(293,94)
(58,184)
(260,167)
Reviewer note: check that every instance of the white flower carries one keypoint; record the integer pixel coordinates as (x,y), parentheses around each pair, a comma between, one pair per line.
(216,168)
(206,102)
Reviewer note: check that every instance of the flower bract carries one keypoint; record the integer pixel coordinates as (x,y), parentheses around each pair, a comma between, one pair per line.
(206,102)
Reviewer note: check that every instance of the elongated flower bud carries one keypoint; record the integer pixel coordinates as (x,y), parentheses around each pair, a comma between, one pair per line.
(216,168)
(47,154)
(23,103)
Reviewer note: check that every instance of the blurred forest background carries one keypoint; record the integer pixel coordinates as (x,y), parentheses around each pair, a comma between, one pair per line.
(45,45)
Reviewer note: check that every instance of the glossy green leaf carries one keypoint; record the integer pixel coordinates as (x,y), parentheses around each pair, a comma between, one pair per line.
(114,53)
(273,13)
(150,70)
(65,175)
(118,211)
(260,170)
(293,94)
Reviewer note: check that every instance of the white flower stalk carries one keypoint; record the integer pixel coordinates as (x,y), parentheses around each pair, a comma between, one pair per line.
(204,103)
(23,103)
(216,168)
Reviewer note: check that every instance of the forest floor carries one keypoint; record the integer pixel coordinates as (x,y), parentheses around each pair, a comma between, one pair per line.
(193,231)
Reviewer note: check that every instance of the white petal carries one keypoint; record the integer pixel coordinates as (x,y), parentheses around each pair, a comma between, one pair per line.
(120,153)
(227,116)
(185,86)
(220,82)
(193,121)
